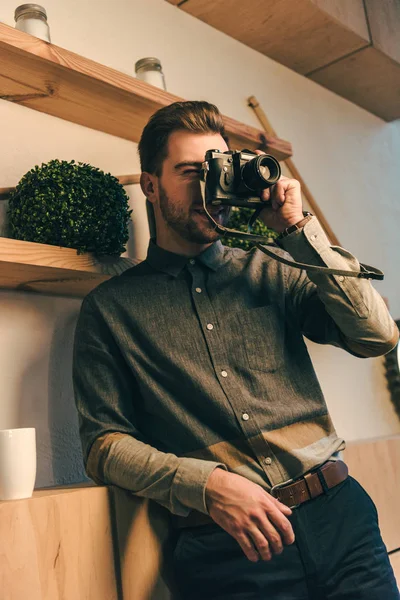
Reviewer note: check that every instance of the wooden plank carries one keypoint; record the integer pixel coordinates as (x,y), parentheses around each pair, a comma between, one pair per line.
(384,23)
(129,179)
(5,192)
(58,547)
(368,78)
(30,266)
(297,34)
(376,465)
(61,83)
(329,41)
(350,13)
(145,540)
(295,173)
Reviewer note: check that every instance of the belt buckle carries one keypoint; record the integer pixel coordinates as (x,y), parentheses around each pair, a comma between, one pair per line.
(277,487)
(283,485)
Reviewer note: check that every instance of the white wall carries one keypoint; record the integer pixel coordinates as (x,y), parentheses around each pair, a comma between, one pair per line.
(348,157)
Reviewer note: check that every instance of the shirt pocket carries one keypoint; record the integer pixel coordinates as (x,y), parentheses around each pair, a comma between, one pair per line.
(263,334)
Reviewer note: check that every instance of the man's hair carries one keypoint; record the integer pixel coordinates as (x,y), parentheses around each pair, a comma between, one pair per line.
(193,116)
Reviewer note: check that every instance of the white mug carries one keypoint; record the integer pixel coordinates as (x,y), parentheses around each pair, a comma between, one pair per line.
(17,463)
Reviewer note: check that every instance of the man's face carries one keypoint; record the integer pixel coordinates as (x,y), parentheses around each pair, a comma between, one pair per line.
(179,189)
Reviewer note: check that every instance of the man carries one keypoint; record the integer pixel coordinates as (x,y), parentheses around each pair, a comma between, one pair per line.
(195,389)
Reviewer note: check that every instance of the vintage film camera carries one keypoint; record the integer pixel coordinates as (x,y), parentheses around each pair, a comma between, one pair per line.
(234,177)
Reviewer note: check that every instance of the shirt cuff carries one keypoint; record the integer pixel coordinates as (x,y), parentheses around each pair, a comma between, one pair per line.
(191,481)
(308,243)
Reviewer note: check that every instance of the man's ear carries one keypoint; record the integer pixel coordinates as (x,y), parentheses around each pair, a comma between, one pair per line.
(148,185)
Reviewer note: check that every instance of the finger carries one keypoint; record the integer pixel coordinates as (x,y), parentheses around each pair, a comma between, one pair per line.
(265,195)
(247,546)
(282,507)
(282,524)
(275,204)
(277,196)
(262,544)
(268,532)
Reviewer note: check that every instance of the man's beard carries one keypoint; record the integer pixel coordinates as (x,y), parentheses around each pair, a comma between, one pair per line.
(188,224)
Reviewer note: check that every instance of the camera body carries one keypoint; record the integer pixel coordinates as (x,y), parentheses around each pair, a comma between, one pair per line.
(237,177)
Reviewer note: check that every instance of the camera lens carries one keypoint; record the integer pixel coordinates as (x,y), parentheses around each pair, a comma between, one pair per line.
(265,172)
(261,172)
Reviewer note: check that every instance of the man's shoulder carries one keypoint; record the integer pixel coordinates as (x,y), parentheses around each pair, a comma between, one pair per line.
(115,285)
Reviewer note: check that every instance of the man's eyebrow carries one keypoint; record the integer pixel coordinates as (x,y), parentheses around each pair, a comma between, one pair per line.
(187,163)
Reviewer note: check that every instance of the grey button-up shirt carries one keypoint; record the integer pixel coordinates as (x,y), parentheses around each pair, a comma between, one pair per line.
(182,365)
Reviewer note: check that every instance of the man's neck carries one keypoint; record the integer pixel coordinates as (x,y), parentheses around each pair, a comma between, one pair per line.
(172,242)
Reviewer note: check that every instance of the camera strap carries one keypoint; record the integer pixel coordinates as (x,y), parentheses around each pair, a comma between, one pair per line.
(366,271)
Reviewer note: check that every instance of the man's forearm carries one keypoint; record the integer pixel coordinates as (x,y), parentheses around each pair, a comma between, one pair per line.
(178,483)
(354,305)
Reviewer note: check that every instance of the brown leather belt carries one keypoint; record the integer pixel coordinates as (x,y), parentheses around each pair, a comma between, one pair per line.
(307,487)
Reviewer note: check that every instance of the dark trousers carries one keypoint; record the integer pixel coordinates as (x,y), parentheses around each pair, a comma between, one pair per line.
(338,554)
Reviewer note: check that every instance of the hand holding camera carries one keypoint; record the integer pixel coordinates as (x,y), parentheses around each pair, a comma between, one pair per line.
(252,180)
(283,203)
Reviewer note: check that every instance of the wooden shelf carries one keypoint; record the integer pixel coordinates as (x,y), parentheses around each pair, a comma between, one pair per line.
(123,180)
(368,78)
(58,82)
(33,267)
(297,34)
(349,47)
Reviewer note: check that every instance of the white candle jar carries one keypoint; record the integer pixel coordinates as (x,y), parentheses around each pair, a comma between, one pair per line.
(149,70)
(32,19)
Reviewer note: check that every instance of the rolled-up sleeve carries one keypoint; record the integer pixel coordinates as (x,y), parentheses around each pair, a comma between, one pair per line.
(343,311)
(114,451)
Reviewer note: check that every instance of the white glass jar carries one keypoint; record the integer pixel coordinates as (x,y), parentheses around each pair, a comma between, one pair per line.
(149,70)
(32,19)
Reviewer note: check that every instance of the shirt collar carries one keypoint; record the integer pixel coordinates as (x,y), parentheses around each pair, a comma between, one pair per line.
(171,263)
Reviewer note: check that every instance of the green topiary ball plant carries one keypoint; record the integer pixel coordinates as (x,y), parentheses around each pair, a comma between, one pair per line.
(70,204)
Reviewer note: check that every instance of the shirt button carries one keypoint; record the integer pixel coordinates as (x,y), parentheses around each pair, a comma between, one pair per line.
(245,417)
(314,237)
(198,290)
(268,461)
(192,261)
(341,278)
(224,374)
(211,326)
